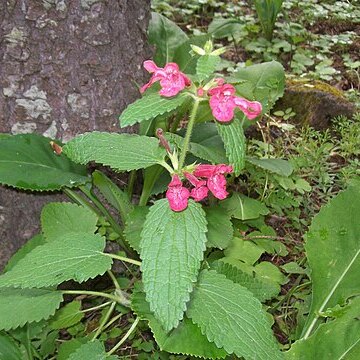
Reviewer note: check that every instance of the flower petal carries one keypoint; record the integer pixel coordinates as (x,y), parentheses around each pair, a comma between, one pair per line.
(217,185)
(251,109)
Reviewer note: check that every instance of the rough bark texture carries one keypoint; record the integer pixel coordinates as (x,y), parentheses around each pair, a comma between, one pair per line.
(66,67)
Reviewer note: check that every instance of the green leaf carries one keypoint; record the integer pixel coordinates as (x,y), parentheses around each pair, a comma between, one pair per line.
(75,256)
(221,28)
(9,349)
(172,248)
(67,316)
(277,166)
(60,218)
(21,306)
(206,65)
(28,162)
(229,315)
(122,152)
(111,192)
(261,289)
(185,339)
(336,339)
(244,250)
(66,348)
(244,208)
(261,82)
(220,229)
(24,250)
(134,226)
(149,107)
(166,36)
(333,251)
(93,350)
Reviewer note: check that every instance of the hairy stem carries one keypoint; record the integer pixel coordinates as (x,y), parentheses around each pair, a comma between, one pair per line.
(104,321)
(125,259)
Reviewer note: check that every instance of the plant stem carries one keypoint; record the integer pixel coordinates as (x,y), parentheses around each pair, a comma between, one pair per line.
(125,259)
(80,200)
(116,317)
(124,338)
(104,321)
(190,126)
(97,307)
(113,278)
(130,187)
(91,293)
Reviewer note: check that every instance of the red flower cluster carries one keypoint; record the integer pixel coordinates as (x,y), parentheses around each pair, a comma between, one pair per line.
(203,179)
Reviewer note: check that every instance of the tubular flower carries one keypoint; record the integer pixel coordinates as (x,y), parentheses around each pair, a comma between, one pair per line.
(177,194)
(172,80)
(216,181)
(200,190)
(223,103)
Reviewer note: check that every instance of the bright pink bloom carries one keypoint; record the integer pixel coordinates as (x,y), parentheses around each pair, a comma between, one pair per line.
(217,185)
(177,194)
(200,190)
(206,171)
(223,103)
(172,80)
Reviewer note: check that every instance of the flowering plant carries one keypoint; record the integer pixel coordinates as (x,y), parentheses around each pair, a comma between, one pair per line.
(190,149)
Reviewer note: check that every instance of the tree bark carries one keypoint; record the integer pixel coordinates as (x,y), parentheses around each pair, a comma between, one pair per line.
(66,67)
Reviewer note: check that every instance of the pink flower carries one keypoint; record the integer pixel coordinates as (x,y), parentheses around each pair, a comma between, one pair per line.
(172,80)
(177,194)
(223,103)
(216,181)
(200,190)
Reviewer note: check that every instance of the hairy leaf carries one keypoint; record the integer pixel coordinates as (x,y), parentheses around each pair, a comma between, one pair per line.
(336,339)
(220,229)
(206,65)
(122,152)
(60,218)
(67,316)
(21,306)
(277,166)
(149,107)
(333,251)
(185,339)
(166,36)
(233,137)
(9,349)
(172,245)
(229,315)
(91,350)
(28,162)
(75,256)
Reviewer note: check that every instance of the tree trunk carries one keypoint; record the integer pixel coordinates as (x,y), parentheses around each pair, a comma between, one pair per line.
(66,67)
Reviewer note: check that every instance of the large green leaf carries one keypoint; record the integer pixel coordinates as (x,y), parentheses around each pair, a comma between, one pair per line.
(277,166)
(233,137)
(113,194)
(220,228)
(20,306)
(262,82)
(94,350)
(166,36)
(60,218)
(149,107)
(244,208)
(9,349)
(68,315)
(185,339)
(122,152)
(263,290)
(172,248)
(337,339)
(28,162)
(222,28)
(206,66)
(333,251)
(74,256)
(229,315)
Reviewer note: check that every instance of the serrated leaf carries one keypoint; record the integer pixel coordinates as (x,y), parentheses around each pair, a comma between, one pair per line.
(75,256)
(244,208)
(233,137)
(185,339)
(60,218)
(277,166)
(261,289)
(94,350)
(172,245)
(149,107)
(9,349)
(229,315)
(67,316)
(28,162)
(24,250)
(333,252)
(115,196)
(337,339)
(21,306)
(206,65)
(220,229)
(122,152)
(166,36)
(134,226)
